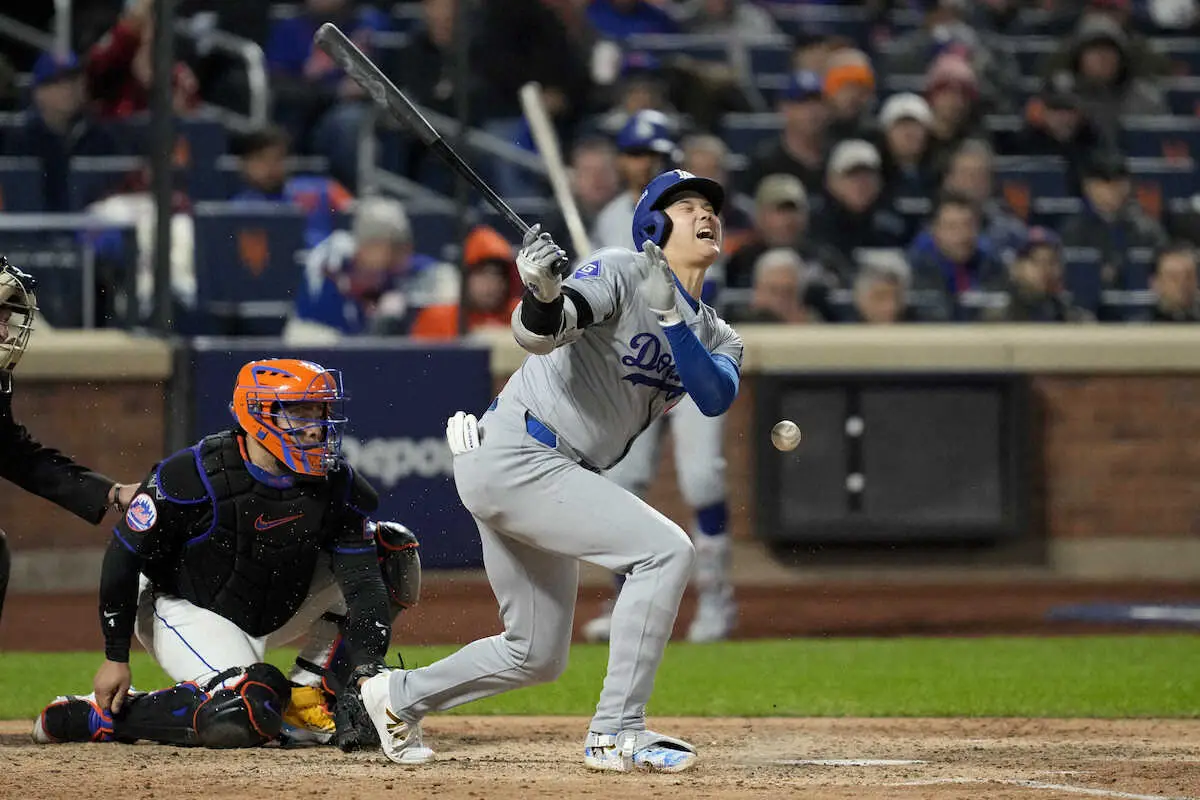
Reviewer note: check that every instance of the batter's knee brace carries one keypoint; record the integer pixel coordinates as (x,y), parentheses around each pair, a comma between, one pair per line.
(400,562)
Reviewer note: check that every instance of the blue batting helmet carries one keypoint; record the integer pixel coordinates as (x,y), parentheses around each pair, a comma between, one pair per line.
(649,221)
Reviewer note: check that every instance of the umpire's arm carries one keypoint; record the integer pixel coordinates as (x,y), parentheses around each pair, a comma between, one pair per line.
(48,473)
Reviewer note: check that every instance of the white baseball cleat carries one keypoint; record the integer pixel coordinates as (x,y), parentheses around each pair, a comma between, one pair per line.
(716,616)
(628,751)
(599,629)
(400,739)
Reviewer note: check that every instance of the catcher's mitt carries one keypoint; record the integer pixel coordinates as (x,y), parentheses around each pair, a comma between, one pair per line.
(355,731)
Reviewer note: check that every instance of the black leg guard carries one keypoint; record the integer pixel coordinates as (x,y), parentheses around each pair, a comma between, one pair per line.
(248,713)
(5,567)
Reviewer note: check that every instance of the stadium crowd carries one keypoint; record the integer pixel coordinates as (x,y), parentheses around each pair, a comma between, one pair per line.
(944,160)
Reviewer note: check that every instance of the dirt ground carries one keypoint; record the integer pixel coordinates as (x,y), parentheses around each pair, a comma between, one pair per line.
(527,758)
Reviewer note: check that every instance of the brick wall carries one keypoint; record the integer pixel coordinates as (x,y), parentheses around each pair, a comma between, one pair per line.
(114,428)
(1121,455)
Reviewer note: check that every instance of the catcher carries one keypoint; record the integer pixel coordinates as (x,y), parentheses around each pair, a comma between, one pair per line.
(252,537)
(37,469)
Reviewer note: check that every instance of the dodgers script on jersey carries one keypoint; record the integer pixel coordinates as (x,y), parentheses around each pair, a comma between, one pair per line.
(618,375)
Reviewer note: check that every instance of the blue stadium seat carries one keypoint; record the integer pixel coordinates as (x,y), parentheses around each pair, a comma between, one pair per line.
(1021,180)
(433,230)
(746,133)
(1174,138)
(1157,181)
(771,56)
(21,186)
(817,19)
(1031,51)
(1183,53)
(93,177)
(206,141)
(701,47)
(246,267)
(530,209)
(1183,94)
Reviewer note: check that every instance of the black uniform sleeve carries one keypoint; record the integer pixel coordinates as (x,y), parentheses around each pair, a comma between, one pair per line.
(47,473)
(368,628)
(170,507)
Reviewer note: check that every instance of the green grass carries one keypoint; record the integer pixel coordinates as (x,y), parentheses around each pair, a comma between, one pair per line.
(1098,676)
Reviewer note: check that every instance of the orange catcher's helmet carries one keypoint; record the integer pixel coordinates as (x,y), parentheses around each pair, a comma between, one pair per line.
(305,443)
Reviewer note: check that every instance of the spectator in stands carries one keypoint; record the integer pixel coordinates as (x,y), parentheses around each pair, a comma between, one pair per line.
(1055,126)
(620,19)
(881,294)
(1174,284)
(781,220)
(642,85)
(1035,284)
(8,85)
(120,68)
(707,155)
(849,88)
(520,41)
(58,127)
(370,279)
(645,146)
(1111,221)
(904,123)
(852,213)
(952,91)
(725,17)
(800,149)
(1143,60)
(265,178)
(812,53)
(491,289)
(950,256)
(1107,86)
(594,184)
(320,105)
(971,174)
(780,277)
(947,31)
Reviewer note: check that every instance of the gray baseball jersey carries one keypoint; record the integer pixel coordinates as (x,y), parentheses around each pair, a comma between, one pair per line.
(617,375)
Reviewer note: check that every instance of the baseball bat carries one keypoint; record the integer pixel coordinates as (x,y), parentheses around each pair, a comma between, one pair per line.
(546,139)
(366,74)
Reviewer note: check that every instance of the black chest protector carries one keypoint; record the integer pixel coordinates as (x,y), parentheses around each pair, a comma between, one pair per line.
(251,557)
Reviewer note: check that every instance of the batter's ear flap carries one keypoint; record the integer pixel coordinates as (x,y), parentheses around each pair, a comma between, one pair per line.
(656,228)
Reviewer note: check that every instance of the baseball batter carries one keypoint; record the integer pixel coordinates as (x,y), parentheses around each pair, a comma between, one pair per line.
(614,346)
(250,538)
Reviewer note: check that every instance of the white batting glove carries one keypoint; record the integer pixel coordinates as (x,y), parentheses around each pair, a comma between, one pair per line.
(462,433)
(537,262)
(658,284)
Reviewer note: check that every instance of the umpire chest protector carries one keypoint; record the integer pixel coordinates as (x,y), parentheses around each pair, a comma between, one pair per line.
(250,554)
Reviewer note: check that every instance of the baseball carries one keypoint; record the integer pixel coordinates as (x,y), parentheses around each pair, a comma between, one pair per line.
(785,435)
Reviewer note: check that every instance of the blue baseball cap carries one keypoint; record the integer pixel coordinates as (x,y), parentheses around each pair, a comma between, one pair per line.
(51,67)
(647,132)
(640,62)
(803,85)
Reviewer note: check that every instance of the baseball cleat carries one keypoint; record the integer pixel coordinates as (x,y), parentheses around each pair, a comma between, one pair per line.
(637,750)
(599,629)
(307,719)
(73,719)
(716,616)
(400,739)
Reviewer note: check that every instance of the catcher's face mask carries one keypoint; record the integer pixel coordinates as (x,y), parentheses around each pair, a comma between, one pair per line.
(17,308)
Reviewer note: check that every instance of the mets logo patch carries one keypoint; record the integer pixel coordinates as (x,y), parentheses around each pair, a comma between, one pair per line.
(142,513)
(589,270)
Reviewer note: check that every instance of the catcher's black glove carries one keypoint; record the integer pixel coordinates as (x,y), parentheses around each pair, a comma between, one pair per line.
(355,731)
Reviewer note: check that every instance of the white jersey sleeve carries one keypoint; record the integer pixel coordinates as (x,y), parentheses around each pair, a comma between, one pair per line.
(727,343)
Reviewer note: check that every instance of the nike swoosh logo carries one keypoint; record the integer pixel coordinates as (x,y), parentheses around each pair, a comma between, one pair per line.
(266,525)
